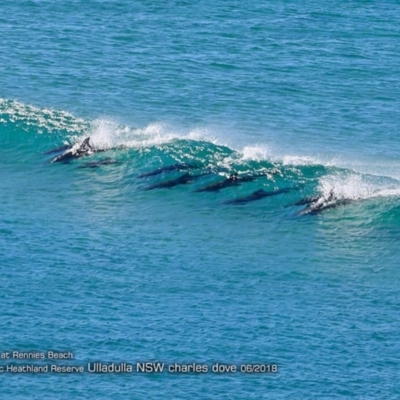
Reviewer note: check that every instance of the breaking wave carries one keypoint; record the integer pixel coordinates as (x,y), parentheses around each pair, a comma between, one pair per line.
(160,144)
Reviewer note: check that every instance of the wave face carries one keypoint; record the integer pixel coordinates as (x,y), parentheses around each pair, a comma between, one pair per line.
(142,150)
(301,96)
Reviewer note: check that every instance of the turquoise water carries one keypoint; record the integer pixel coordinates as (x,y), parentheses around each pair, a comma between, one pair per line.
(93,264)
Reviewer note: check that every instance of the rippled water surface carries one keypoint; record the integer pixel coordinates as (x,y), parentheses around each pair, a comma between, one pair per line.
(301,96)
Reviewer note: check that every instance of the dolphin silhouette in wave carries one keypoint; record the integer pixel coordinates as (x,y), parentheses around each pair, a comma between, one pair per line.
(257,195)
(316,205)
(60,149)
(182,180)
(170,168)
(233,180)
(77,150)
(97,164)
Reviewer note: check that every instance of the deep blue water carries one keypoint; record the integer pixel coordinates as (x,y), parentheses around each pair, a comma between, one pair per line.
(92,263)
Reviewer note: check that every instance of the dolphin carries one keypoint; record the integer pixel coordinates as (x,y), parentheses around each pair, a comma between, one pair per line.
(182,180)
(257,195)
(306,201)
(97,164)
(232,180)
(323,203)
(76,151)
(169,168)
(58,149)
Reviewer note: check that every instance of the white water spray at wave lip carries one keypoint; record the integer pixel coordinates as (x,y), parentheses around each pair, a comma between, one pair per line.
(106,134)
(43,119)
(357,186)
(256,153)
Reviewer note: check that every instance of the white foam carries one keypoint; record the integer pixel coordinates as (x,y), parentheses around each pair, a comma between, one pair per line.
(257,153)
(107,134)
(299,160)
(357,186)
(43,119)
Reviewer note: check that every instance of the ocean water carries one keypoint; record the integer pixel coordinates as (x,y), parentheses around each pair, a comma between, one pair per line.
(93,264)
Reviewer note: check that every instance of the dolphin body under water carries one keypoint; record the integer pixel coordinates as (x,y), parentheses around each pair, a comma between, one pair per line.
(182,180)
(170,168)
(232,180)
(316,205)
(317,208)
(60,149)
(75,151)
(257,195)
(97,164)
(306,201)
